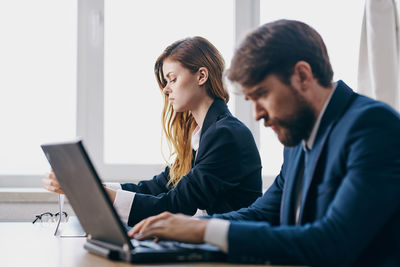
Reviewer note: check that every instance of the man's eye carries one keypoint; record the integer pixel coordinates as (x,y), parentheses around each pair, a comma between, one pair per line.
(259,94)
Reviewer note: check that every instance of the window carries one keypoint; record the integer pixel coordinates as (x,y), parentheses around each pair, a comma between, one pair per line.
(133,102)
(38,81)
(117,104)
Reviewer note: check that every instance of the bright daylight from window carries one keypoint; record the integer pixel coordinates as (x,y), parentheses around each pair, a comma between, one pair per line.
(38,81)
(38,66)
(133,100)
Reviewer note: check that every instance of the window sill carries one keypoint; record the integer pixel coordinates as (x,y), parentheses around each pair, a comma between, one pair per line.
(22,204)
(38,194)
(28,194)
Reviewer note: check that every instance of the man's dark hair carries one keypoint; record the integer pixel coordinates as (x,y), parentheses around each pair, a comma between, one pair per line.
(275,48)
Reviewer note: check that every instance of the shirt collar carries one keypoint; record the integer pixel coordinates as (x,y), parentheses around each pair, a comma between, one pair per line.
(309,143)
(196,138)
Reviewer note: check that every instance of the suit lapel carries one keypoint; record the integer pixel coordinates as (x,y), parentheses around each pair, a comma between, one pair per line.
(217,108)
(338,104)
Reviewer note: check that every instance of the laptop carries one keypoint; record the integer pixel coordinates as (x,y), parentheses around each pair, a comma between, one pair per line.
(106,234)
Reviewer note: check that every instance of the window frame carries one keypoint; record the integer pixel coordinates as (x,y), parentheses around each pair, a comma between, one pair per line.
(91,89)
(90,94)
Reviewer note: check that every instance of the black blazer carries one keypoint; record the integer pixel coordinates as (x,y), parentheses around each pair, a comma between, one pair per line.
(226,174)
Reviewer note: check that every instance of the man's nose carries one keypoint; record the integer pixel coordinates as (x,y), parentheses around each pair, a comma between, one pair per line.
(259,112)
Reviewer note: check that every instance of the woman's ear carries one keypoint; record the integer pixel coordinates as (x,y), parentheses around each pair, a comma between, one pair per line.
(203,75)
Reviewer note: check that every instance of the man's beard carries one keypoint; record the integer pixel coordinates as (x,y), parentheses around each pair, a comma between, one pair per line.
(296,127)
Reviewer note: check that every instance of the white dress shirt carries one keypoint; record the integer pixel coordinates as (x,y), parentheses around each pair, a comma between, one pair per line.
(124,199)
(217,229)
(195,145)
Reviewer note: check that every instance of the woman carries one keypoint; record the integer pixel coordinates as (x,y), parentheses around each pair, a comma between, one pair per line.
(216,167)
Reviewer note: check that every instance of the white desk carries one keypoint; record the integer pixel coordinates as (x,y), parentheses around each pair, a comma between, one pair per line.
(33,245)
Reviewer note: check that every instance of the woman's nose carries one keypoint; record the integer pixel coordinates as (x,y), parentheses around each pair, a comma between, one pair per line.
(166,90)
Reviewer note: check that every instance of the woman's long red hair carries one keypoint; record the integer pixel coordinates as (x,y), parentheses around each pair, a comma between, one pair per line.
(192,53)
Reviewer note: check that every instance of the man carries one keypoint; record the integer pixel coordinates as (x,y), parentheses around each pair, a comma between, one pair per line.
(336,201)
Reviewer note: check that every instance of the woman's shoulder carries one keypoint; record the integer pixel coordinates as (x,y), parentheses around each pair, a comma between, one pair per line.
(228,126)
(230,122)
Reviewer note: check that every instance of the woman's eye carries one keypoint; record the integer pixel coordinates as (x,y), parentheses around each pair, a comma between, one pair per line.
(173,80)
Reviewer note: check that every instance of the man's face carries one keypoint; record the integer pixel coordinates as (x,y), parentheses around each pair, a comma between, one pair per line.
(283,109)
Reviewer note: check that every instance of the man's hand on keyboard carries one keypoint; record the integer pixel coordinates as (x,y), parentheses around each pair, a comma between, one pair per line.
(170,226)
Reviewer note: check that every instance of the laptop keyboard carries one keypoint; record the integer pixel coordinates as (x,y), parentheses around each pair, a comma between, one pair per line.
(172,245)
(161,245)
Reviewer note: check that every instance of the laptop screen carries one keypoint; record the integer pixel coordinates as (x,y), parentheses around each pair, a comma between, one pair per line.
(85,192)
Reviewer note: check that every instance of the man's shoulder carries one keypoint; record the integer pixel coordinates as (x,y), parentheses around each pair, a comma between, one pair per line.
(367,112)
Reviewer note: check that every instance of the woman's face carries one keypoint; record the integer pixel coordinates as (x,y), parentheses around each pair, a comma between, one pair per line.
(183,88)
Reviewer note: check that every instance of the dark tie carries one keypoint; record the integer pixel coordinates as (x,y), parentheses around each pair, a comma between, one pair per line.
(299,185)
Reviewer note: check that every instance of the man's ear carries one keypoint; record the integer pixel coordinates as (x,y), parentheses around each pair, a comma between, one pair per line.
(203,75)
(303,73)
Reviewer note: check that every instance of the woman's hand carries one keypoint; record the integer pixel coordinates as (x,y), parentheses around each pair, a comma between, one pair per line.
(170,226)
(111,193)
(50,183)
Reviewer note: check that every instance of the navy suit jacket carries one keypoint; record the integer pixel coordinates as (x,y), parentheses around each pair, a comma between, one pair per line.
(226,173)
(350,210)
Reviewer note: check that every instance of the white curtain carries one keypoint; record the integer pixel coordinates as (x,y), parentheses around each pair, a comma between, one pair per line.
(379,62)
